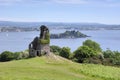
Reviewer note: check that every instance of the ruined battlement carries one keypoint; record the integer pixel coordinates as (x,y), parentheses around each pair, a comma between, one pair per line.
(40,45)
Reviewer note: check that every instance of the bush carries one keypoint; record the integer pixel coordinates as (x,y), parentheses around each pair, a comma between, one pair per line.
(6,56)
(82,53)
(55,49)
(108,53)
(65,52)
(116,58)
(111,57)
(93,45)
(93,60)
(24,54)
(17,55)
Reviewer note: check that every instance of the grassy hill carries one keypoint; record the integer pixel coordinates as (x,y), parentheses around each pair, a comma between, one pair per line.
(55,68)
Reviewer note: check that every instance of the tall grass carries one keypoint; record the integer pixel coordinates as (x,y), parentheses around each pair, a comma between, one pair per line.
(45,68)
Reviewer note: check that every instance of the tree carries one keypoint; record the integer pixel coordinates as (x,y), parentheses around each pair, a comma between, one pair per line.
(82,53)
(93,45)
(7,56)
(111,57)
(17,55)
(108,53)
(65,52)
(116,58)
(55,49)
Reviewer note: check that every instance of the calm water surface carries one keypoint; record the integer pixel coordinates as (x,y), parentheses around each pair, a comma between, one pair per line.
(19,41)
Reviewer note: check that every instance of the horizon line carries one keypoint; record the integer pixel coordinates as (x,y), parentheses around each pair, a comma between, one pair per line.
(56,22)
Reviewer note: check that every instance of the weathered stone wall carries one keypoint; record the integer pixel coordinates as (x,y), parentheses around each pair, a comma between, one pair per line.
(45,49)
(40,45)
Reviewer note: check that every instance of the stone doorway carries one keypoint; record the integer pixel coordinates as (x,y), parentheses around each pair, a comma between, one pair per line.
(38,53)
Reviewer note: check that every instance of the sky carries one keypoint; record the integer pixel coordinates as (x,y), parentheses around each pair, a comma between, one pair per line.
(91,11)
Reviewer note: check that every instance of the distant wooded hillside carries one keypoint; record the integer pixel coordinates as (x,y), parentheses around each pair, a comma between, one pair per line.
(69,34)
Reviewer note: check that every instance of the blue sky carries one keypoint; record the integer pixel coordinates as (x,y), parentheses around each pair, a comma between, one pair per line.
(92,11)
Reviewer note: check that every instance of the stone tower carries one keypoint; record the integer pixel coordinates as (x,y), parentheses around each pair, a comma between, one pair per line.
(40,45)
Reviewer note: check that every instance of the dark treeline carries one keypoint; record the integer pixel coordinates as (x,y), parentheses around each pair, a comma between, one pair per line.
(8,56)
(68,34)
(89,52)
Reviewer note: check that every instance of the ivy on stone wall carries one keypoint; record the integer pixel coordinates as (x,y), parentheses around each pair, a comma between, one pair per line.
(46,40)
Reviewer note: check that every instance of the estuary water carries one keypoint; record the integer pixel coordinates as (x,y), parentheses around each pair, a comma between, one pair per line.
(19,41)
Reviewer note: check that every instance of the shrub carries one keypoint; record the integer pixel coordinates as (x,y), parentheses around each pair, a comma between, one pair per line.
(65,52)
(17,55)
(94,60)
(82,53)
(24,54)
(6,56)
(55,49)
(21,55)
(93,45)
(108,53)
(116,58)
(111,57)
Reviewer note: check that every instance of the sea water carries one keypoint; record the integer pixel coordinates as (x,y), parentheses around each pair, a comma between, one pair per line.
(19,41)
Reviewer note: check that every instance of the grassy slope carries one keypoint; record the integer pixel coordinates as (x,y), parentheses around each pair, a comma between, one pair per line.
(55,68)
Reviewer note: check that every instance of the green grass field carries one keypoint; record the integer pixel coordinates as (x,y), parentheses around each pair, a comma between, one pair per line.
(55,68)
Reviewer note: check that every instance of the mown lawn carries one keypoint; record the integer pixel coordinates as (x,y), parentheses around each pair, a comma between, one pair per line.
(48,68)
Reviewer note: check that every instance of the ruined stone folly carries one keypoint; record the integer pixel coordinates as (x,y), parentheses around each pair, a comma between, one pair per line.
(40,45)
